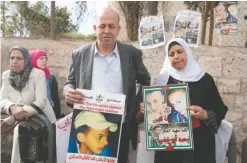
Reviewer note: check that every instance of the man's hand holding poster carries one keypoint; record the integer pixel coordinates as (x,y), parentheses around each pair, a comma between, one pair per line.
(167,121)
(95,130)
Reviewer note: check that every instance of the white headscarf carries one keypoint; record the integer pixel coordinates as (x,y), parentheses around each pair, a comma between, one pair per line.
(191,73)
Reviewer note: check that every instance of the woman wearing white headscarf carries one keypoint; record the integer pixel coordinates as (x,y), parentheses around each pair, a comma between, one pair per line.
(206,103)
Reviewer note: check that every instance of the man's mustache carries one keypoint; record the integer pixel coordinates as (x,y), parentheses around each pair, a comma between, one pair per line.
(108,35)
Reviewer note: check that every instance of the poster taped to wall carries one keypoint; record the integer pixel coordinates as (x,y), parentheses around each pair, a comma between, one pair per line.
(187,26)
(151,32)
(96,128)
(167,121)
(226,18)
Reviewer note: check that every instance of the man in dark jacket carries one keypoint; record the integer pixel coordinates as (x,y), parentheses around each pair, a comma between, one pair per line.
(109,66)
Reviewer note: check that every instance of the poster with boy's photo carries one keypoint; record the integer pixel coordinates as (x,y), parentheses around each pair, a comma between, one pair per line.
(226,18)
(167,120)
(94,133)
(96,128)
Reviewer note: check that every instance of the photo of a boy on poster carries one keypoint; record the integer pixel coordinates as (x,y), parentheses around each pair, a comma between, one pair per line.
(156,107)
(226,17)
(94,133)
(177,101)
(224,12)
(155,132)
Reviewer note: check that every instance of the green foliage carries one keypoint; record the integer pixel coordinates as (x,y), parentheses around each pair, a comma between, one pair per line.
(77,36)
(20,18)
(63,21)
(71,35)
(41,8)
(13,23)
(91,37)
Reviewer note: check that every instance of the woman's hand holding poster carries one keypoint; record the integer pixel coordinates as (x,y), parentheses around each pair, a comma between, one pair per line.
(167,121)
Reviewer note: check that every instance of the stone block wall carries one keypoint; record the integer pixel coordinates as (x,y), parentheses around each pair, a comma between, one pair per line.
(227,66)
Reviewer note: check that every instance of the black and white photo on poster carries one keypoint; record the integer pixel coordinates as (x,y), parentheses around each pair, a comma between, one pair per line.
(151,32)
(187,26)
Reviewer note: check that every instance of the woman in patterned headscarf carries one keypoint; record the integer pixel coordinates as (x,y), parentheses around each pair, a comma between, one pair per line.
(20,69)
(23,87)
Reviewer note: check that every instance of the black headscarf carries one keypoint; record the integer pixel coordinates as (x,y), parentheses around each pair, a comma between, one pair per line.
(19,80)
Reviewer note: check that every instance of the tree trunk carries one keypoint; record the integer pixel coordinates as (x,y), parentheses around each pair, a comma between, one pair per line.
(53,23)
(204,23)
(149,8)
(211,30)
(22,26)
(131,12)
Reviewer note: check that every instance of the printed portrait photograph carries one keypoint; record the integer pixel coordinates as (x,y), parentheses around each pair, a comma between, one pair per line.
(157,112)
(94,133)
(226,12)
(166,106)
(177,100)
(168,134)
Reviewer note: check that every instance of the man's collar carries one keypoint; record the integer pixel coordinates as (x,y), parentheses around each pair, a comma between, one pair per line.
(114,52)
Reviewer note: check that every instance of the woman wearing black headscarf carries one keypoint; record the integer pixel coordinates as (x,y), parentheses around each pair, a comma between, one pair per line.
(23,86)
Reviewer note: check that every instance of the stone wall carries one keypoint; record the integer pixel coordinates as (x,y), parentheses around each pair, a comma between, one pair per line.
(227,66)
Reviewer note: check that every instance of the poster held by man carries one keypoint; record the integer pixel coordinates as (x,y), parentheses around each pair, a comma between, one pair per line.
(96,128)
